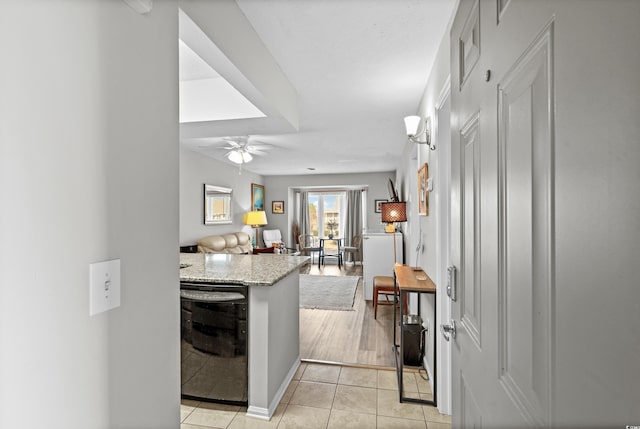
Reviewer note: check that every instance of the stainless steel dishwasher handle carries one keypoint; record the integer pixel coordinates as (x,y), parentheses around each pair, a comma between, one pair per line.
(210,296)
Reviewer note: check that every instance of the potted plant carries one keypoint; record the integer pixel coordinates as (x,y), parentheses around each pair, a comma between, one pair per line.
(331,225)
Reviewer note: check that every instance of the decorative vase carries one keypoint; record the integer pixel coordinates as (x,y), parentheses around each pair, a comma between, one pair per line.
(330,235)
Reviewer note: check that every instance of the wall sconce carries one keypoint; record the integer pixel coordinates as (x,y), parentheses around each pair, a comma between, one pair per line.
(419,130)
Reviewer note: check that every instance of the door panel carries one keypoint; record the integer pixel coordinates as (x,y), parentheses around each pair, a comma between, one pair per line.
(501,178)
(471,291)
(556,235)
(471,414)
(469,43)
(468,365)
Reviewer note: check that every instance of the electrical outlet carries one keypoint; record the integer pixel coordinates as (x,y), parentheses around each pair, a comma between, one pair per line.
(104,286)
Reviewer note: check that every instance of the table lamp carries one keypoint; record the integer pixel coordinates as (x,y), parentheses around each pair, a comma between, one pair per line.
(256,219)
(393,212)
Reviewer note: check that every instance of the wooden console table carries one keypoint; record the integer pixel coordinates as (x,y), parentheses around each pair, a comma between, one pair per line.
(412,280)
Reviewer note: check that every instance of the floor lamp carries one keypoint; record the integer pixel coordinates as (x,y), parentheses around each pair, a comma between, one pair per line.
(393,212)
(256,219)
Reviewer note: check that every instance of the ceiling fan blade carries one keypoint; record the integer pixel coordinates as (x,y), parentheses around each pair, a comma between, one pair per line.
(233,143)
(255,151)
(239,140)
(260,146)
(259,143)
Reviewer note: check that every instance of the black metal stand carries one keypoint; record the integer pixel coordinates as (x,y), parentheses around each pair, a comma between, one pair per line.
(337,255)
(398,348)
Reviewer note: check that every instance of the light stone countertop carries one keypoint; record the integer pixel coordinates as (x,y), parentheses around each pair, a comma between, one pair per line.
(250,270)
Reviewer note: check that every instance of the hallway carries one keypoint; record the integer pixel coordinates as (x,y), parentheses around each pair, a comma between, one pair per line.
(352,337)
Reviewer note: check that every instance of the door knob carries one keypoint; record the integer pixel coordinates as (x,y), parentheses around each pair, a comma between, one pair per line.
(448,330)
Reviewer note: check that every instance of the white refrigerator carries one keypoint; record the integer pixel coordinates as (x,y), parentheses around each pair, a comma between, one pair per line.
(377,257)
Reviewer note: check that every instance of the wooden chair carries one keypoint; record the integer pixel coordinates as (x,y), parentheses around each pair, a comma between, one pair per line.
(384,285)
(355,248)
(308,245)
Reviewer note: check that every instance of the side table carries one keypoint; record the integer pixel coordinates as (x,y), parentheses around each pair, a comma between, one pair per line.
(258,250)
(412,280)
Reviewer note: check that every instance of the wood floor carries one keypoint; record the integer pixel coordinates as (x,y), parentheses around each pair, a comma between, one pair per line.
(350,337)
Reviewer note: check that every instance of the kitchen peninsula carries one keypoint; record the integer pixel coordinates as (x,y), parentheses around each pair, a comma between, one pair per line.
(273,340)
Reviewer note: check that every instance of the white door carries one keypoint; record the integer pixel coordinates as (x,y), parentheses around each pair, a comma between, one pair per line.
(542,161)
(443,234)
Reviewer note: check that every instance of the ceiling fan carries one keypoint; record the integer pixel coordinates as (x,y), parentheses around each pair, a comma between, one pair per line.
(241,151)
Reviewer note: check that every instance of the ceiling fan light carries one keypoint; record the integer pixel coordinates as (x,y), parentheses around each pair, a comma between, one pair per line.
(236,156)
(239,156)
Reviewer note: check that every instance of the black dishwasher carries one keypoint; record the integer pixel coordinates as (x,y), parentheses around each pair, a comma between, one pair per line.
(213,339)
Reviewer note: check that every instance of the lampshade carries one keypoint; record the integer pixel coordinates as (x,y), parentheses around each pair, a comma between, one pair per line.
(394,212)
(255,218)
(411,123)
(239,156)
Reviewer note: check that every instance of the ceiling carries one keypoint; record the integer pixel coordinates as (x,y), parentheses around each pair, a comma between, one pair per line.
(358,67)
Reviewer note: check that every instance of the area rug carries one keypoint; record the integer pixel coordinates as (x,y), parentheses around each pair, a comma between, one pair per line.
(327,292)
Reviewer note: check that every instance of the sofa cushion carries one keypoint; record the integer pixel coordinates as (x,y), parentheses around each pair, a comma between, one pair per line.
(215,243)
(230,241)
(236,242)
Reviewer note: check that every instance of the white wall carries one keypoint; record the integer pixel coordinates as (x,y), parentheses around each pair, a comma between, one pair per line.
(597,227)
(196,170)
(415,155)
(274,338)
(221,34)
(428,255)
(277,189)
(88,172)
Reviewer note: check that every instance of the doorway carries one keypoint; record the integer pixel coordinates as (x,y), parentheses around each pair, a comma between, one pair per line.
(442,130)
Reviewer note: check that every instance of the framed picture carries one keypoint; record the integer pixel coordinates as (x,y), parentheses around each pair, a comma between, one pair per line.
(257,197)
(423,194)
(378,205)
(277,207)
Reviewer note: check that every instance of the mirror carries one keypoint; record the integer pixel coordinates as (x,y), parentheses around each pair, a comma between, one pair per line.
(217,205)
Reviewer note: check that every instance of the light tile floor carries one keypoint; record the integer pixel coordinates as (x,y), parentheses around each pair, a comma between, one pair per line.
(330,397)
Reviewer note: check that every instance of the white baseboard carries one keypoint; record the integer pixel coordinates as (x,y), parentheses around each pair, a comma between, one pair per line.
(266,414)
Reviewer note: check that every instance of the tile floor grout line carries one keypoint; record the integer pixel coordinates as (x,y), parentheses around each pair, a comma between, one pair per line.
(312,372)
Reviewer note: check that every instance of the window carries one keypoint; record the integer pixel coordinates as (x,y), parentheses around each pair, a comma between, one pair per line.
(326,213)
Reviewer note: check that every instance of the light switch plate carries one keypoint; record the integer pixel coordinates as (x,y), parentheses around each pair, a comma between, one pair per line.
(104,286)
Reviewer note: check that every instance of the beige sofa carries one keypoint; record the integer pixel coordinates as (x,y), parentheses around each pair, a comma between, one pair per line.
(236,242)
